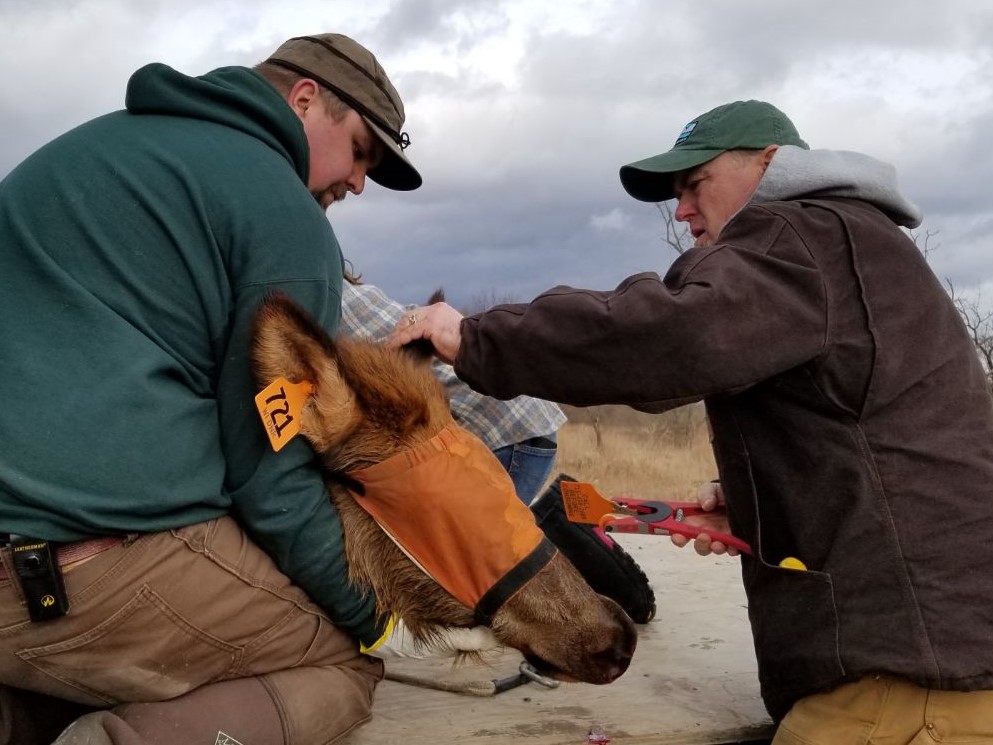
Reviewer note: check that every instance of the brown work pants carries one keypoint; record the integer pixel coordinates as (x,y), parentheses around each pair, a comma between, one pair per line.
(187,636)
(885,710)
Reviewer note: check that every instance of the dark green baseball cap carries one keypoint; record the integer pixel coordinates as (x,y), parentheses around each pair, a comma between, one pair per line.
(750,125)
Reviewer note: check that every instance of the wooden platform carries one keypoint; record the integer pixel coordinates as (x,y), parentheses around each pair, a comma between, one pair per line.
(692,680)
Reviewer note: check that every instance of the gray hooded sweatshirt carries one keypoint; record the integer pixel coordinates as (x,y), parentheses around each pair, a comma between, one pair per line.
(796,173)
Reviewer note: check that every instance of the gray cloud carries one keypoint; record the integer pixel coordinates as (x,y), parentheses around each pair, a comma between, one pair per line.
(463,23)
(520,114)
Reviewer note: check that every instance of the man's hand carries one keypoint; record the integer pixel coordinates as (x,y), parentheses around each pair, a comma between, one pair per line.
(438,323)
(711,499)
(448,642)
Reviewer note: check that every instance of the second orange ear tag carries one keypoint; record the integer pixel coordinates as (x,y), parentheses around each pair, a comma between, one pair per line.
(583,503)
(280,405)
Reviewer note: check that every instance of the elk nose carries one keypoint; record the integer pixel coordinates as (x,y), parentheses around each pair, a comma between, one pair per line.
(611,663)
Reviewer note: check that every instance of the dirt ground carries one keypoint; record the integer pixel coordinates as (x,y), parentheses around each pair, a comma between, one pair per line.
(692,680)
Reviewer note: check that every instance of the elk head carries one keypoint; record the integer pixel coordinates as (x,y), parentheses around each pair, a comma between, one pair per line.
(369,404)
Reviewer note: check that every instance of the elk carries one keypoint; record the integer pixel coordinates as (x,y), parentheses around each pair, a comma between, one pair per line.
(369,403)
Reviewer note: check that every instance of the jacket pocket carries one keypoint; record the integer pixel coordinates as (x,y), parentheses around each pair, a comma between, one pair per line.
(146,651)
(795,626)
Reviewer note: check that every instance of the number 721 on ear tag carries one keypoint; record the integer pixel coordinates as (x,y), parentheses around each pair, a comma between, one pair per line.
(280,405)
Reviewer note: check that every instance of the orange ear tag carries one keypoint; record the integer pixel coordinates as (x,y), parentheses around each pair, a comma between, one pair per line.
(280,405)
(583,503)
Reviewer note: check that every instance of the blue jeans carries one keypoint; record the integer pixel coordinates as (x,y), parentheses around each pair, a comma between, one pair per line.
(529,464)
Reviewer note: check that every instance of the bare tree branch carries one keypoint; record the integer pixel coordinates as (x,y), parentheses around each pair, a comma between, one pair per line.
(979,323)
(923,242)
(487,299)
(677,237)
(978,319)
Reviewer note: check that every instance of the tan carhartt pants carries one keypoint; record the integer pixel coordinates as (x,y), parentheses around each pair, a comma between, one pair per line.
(188,636)
(885,710)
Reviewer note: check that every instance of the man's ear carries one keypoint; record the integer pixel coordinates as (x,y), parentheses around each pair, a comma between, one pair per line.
(767,155)
(303,96)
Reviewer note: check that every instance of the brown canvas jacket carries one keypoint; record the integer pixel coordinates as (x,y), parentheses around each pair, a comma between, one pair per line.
(852,423)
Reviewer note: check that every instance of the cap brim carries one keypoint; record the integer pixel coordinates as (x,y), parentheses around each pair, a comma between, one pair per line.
(394,170)
(651,179)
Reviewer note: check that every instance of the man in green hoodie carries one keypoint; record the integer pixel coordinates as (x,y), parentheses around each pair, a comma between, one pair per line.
(134,251)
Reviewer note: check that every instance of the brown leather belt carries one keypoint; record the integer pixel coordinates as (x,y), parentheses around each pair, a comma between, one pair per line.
(72,553)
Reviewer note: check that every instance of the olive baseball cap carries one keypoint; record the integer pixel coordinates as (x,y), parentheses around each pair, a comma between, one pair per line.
(352,73)
(733,126)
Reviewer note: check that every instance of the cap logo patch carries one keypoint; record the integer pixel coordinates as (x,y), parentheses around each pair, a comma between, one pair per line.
(687,131)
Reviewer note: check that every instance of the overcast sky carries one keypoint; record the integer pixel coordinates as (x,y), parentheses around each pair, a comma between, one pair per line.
(521,112)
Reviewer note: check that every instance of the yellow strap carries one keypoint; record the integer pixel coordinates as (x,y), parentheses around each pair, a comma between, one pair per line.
(390,623)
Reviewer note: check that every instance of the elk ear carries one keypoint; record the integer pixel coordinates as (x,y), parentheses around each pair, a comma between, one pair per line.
(287,343)
(421,350)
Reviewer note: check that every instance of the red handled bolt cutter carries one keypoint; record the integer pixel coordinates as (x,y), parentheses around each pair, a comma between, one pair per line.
(584,504)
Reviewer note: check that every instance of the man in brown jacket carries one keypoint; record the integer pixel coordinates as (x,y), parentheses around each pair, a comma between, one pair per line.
(852,422)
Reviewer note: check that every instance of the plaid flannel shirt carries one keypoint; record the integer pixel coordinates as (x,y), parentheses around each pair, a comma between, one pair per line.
(367,313)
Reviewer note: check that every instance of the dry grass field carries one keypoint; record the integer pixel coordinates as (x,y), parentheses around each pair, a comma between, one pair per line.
(646,456)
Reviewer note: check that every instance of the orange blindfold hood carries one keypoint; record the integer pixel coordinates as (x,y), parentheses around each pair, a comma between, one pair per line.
(451,507)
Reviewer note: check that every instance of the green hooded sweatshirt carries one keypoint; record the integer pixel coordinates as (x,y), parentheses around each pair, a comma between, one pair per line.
(134,251)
